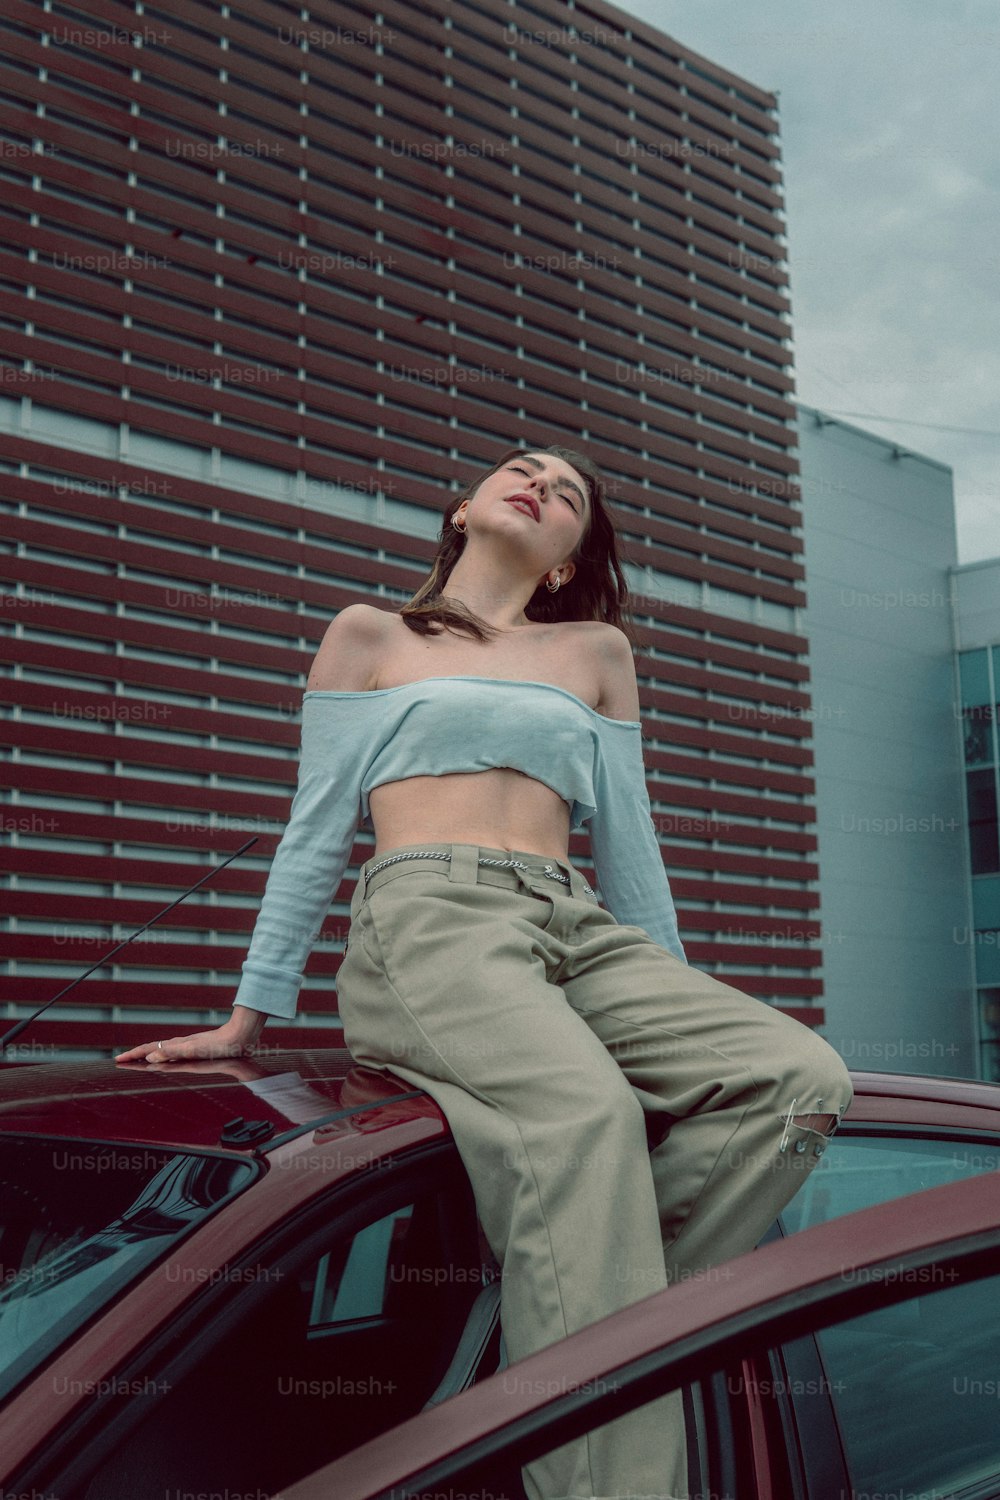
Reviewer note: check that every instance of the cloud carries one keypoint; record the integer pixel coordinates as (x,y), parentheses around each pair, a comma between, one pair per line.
(892,183)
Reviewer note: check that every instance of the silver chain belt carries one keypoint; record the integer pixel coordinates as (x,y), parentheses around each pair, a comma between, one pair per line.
(506,864)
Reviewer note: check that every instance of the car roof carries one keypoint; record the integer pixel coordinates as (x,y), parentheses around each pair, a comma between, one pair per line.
(956,1090)
(188,1105)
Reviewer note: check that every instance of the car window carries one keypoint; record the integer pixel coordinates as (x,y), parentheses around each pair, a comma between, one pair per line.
(915,1388)
(858,1171)
(81,1220)
(342,1332)
(914,1385)
(355,1282)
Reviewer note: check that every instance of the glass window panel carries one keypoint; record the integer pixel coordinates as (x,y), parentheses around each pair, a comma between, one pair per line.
(983,848)
(982,805)
(858,1171)
(80,1221)
(989,1012)
(986,902)
(914,1386)
(991,1062)
(977,726)
(987,957)
(974,674)
(356,1283)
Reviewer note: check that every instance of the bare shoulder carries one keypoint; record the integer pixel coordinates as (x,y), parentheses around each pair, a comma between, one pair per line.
(608,642)
(610,639)
(619,691)
(593,635)
(351,649)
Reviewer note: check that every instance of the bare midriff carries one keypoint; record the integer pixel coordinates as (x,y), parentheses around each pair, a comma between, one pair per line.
(500,808)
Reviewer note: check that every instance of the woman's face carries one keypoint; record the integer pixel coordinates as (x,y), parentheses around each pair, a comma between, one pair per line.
(553,513)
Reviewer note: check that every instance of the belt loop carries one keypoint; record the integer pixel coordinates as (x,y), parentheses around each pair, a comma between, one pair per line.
(464,867)
(360,890)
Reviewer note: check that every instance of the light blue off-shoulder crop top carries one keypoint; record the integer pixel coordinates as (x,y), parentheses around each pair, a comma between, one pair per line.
(354,741)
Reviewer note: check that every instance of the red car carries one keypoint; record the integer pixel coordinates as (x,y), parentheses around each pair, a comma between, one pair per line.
(222,1278)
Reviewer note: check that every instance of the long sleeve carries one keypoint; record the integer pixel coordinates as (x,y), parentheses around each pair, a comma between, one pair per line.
(310,860)
(627,857)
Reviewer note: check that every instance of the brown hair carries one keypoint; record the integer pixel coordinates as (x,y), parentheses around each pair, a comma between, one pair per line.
(597,591)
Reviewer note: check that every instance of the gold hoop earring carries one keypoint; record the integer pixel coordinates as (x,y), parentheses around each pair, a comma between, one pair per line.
(553,589)
(454,522)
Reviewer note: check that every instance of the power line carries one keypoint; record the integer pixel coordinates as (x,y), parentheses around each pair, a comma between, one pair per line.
(832,379)
(904,421)
(871,416)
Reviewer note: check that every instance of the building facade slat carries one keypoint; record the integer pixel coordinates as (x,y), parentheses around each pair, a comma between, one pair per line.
(244,290)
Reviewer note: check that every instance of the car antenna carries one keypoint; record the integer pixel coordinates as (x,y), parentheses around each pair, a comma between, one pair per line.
(19,1026)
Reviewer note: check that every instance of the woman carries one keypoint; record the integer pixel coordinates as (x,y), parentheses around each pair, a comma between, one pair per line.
(626,1120)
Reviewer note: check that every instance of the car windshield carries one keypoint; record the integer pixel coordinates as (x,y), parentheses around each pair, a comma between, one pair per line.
(79,1221)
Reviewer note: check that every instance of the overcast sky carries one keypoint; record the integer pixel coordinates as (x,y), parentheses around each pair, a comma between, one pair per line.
(888,115)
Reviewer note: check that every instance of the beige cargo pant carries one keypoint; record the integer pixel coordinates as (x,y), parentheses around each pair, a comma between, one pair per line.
(626,1120)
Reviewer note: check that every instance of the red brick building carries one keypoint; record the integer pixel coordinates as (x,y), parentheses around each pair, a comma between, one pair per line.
(271,291)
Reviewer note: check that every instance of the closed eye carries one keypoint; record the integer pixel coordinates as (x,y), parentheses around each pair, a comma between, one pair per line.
(518,470)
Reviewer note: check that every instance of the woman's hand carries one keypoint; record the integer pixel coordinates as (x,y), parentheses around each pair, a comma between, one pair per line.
(234,1038)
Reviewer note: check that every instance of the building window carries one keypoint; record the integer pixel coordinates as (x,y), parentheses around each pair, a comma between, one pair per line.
(977,724)
(974,672)
(989,1011)
(981,794)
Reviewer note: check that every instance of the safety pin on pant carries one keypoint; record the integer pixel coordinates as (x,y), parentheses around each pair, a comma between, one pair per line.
(788,1125)
(800,1145)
